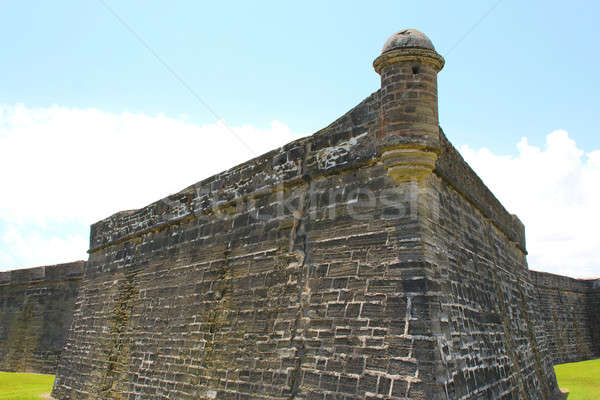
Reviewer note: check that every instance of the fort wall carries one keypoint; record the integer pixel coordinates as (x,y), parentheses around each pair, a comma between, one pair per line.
(569,311)
(483,314)
(36,309)
(594,316)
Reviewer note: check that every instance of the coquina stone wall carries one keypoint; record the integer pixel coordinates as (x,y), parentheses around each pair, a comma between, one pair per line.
(36,308)
(570,311)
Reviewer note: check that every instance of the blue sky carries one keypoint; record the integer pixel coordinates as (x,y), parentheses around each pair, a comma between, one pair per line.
(525,70)
(528,68)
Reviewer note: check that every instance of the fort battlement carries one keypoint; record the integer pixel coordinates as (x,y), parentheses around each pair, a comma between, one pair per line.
(58,272)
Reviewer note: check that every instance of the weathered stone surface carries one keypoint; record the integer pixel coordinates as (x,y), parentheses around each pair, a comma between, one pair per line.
(36,308)
(593,303)
(569,311)
(483,314)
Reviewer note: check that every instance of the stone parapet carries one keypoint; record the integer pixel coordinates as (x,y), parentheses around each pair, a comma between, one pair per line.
(454,169)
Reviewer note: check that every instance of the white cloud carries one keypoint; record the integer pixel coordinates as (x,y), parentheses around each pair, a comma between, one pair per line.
(30,247)
(555,192)
(75,166)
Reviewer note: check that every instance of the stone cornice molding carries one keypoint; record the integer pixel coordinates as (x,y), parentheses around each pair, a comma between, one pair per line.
(424,56)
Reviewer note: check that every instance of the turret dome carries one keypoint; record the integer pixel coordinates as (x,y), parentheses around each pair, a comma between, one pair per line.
(406,39)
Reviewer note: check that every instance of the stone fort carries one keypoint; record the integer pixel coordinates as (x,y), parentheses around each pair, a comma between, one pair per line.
(367,261)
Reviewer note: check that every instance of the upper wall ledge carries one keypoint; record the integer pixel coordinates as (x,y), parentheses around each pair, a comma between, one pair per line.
(44,273)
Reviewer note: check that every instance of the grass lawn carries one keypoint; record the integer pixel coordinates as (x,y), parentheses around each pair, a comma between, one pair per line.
(581,378)
(24,386)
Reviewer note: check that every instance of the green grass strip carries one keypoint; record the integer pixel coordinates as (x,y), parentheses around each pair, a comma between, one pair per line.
(16,386)
(581,378)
